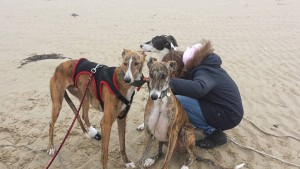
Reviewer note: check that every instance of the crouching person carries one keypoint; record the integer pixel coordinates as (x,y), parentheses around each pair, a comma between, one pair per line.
(209,95)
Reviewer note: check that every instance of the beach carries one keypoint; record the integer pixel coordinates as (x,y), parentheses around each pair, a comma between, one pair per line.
(257,40)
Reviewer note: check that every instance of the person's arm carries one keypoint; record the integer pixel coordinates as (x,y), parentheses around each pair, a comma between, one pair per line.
(201,84)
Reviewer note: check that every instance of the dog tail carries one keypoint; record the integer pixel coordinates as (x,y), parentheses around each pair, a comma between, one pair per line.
(72,106)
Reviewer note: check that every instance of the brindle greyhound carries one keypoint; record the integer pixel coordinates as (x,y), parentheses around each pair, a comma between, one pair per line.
(165,119)
(124,77)
(166,47)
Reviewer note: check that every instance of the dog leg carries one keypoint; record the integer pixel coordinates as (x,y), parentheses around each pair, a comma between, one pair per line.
(105,128)
(152,160)
(56,91)
(148,145)
(92,132)
(106,123)
(85,111)
(74,109)
(121,131)
(85,116)
(172,143)
(189,142)
(159,152)
(86,102)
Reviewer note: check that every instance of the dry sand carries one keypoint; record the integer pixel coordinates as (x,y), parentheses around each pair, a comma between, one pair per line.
(258,41)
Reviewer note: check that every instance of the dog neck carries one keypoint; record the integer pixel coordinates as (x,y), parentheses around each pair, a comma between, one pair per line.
(163,52)
(166,51)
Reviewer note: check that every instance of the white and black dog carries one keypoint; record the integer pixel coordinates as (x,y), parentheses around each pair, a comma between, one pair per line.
(162,44)
(166,46)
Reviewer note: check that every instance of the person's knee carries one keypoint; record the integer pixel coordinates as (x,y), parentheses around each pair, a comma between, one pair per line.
(180,98)
(183,100)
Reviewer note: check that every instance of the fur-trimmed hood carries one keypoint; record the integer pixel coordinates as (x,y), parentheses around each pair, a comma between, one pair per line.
(200,56)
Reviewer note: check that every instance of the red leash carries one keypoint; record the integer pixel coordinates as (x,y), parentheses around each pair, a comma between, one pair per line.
(77,113)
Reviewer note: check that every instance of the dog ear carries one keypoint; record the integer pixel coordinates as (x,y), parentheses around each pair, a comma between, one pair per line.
(172,65)
(125,51)
(172,40)
(150,62)
(143,54)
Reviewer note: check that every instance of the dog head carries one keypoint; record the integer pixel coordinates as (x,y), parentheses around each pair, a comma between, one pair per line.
(159,76)
(132,65)
(160,44)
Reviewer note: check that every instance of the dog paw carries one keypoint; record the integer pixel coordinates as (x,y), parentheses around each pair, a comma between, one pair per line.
(92,131)
(130,165)
(184,167)
(140,127)
(51,151)
(149,162)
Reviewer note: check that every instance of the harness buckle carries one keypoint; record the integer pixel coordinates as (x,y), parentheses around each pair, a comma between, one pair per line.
(94,70)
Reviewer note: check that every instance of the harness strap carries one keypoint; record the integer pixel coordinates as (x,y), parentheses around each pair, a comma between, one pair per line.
(114,89)
(127,108)
(119,95)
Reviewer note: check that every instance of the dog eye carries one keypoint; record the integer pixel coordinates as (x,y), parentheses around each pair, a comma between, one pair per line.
(125,64)
(136,63)
(163,76)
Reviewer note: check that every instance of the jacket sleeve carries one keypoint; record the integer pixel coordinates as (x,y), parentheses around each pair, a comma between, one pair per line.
(200,84)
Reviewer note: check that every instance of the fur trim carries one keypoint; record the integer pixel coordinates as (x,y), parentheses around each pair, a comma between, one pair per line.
(199,56)
(190,52)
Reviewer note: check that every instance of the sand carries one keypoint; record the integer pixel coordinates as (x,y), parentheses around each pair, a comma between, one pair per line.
(257,40)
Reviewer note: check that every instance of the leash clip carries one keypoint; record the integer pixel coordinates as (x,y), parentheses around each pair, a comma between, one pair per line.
(94,70)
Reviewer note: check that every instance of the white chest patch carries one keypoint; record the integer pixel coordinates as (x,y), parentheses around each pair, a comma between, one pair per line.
(158,121)
(128,96)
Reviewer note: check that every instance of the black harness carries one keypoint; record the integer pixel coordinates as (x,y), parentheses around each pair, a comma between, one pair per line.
(104,75)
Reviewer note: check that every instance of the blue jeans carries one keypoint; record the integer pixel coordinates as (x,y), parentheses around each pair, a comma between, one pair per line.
(195,113)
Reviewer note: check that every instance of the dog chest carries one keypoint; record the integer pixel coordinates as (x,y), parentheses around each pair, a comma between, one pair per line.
(158,120)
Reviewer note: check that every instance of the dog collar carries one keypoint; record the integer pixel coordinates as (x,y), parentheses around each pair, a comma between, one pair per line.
(136,83)
(139,83)
(165,93)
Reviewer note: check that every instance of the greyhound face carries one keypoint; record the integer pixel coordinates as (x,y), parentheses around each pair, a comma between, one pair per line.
(159,44)
(132,65)
(159,77)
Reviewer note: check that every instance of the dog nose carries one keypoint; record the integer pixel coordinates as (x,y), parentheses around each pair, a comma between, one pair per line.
(127,79)
(154,96)
(141,46)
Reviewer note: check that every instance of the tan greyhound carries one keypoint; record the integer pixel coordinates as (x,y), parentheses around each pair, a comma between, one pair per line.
(114,93)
